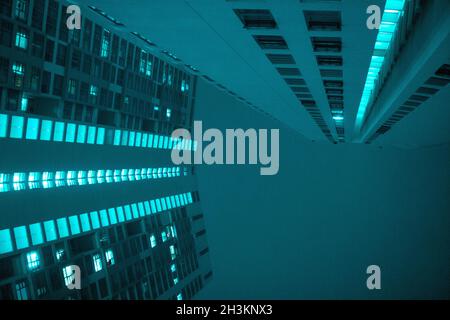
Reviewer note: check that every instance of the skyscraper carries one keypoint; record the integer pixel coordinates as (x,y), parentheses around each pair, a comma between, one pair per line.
(87,185)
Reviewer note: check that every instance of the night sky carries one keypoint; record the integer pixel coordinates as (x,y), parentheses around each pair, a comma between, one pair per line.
(311,231)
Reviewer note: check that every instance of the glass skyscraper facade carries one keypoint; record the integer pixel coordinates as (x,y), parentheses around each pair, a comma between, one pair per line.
(86,177)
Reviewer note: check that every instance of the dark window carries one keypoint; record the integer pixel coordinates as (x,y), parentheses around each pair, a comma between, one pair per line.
(63,30)
(87,35)
(61,55)
(76,59)
(121,77)
(87,64)
(52,16)
(97,40)
(5,7)
(326,44)
(78,112)
(97,68)
(256,18)
(122,52)
(106,71)
(329,61)
(115,49)
(46,78)
(58,85)
(130,55)
(49,50)
(6,30)
(38,14)
(35,78)
(12,100)
(4,70)
(323,20)
(84,92)
(281,58)
(89,114)
(67,111)
(37,47)
(113,74)
(271,42)
(74,37)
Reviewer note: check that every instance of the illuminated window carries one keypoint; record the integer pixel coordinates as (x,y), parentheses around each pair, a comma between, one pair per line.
(93,90)
(5,241)
(148,71)
(104,218)
(21,291)
(63,228)
(135,211)
(19,179)
(69,275)
(21,10)
(120,214)
(32,129)
(168,113)
(3,125)
(18,74)
(85,223)
(112,216)
(20,234)
(143,63)
(24,104)
(105,44)
(22,40)
(33,260)
(70,132)
(117,134)
(50,230)
(164,236)
(18,69)
(36,234)
(16,127)
(173,254)
(97,262)
(59,254)
(179,296)
(153,241)
(74,225)
(81,134)
(91,135)
(101,136)
(46,130)
(109,257)
(72,87)
(128,215)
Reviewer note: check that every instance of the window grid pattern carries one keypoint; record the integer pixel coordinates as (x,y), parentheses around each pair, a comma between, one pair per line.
(65,227)
(33,128)
(48,179)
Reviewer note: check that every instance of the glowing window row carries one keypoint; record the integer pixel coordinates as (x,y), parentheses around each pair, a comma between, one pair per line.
(389,22)
(46,180)
(30,128)
(52,230)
